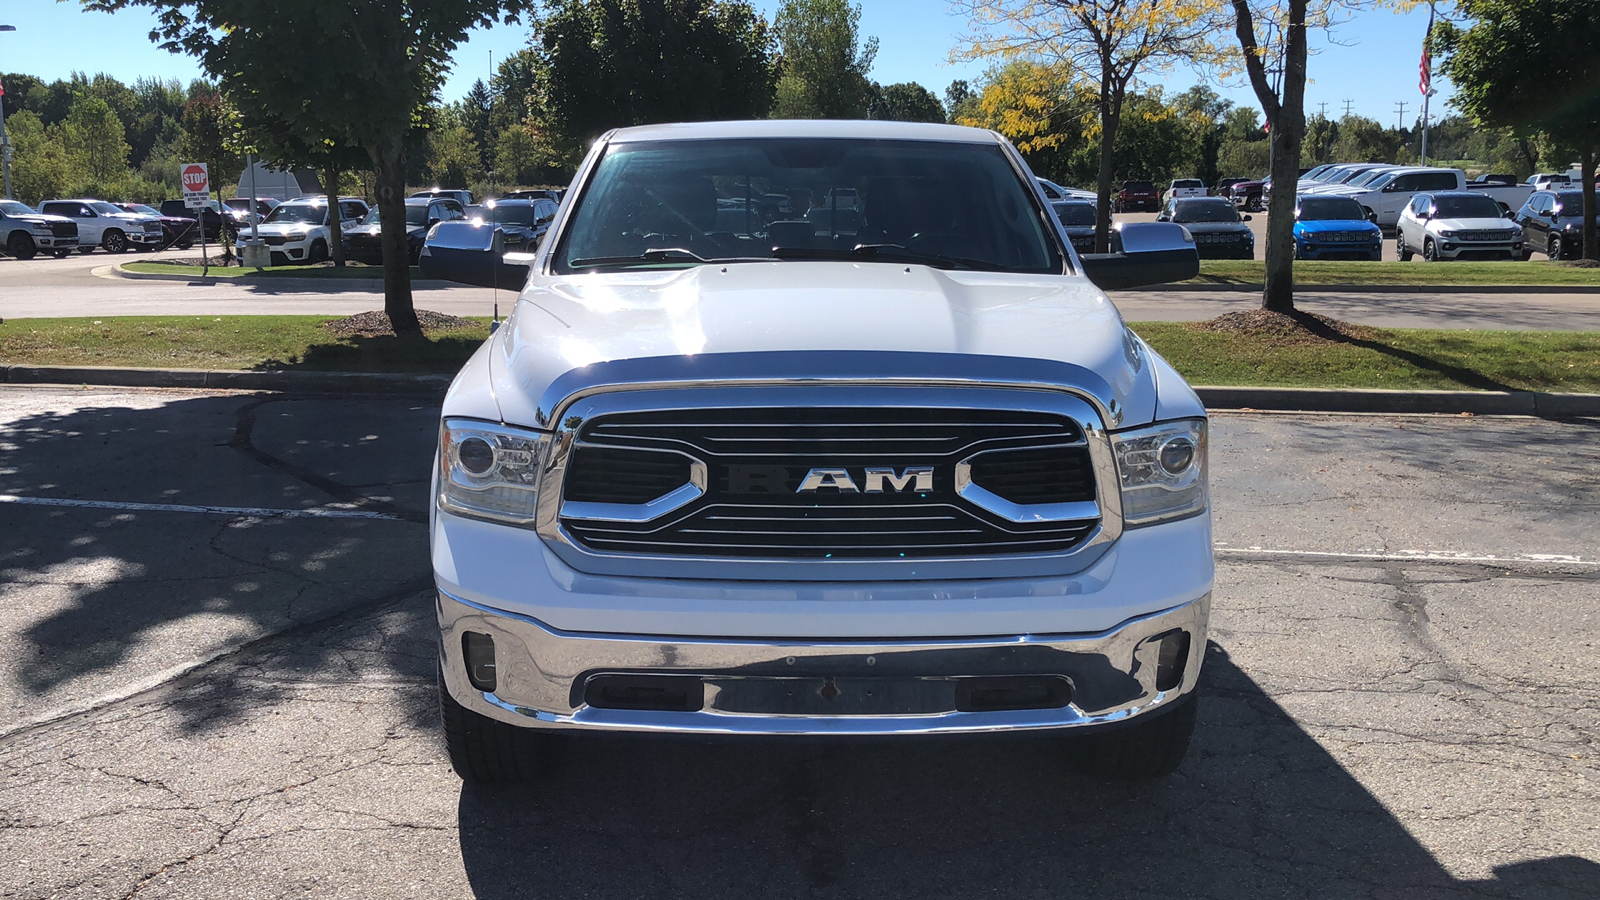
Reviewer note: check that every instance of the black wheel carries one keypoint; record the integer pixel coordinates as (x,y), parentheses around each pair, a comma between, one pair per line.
(317,253)
(1430,253)
(1401,251)
(62,254)
(484,749)
(21,245)
(184,243)
(1253,203)
(1147,748)
(1552,248)
(114,241)
(86,249)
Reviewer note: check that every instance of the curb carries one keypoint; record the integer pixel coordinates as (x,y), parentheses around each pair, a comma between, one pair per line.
(288,282)
(1274,399)
(1384,288)
(1478,403)
(285,381)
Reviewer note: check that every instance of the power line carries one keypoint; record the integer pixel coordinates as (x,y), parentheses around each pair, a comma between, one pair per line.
(1402,104)
(1347,105)
(1323,110)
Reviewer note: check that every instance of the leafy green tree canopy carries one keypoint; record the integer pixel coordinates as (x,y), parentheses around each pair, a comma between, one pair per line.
(603,64)
(825,63)
(907,102)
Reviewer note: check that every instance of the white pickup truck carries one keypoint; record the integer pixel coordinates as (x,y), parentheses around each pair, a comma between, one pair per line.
(101,224)
(1386,196)
(900,473)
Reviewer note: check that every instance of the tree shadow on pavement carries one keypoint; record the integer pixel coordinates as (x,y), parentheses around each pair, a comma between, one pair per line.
(1258,810)
(441,354)
(124,590)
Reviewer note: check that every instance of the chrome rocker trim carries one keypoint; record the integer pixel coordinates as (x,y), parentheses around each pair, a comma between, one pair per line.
(541,672)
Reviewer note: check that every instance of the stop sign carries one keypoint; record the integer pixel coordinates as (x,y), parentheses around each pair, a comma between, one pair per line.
(195,179)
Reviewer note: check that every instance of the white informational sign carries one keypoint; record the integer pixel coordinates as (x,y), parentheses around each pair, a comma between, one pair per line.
(196,185)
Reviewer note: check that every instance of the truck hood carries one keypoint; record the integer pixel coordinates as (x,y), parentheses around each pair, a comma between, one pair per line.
(810,320)
(285,228)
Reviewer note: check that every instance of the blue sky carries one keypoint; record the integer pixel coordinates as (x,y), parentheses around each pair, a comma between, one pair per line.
(1373,64)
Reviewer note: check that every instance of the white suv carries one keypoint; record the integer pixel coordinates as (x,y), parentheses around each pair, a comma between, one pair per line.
(297,231)
(101,224)
(1456,225)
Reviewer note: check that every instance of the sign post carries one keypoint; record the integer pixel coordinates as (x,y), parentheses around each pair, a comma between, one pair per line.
(197,195)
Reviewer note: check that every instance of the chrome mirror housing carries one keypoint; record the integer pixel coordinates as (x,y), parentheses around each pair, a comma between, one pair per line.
(1145,253)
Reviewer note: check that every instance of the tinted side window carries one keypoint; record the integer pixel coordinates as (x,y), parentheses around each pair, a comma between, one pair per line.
(1436,181)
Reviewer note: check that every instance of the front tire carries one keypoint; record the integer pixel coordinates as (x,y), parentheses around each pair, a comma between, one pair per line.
(1144,749)
(62,254)
(482,749)
(114,241)
(22,246)
(1253,203)
(1401,251)
(1430,253)
(1552,248)
(317,253)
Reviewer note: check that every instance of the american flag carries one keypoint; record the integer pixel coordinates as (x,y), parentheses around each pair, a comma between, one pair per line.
(1427,62)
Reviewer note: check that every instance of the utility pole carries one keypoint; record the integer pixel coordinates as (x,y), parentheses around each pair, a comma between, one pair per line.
(1402,104)
(1322,109)
(1347,105)
(5,142)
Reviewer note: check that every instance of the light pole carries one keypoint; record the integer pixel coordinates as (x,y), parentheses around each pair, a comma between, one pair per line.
(5,142)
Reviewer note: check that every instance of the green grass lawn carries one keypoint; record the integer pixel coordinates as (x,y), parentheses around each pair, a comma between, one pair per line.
(229,342)
(1397,359)
(1391,358)
(351,270)
(1533,272)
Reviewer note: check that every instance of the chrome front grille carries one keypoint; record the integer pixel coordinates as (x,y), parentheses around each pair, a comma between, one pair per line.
(998,482)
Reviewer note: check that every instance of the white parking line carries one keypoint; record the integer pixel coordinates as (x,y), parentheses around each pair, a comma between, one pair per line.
(1418,556)
(252,512)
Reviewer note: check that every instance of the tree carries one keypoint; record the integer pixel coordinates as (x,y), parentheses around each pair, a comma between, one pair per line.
(824,62)
(1206,115)
(908,102)
(355,72)
(1108,43)
(1273,49)
(454,159)
(1555,44)
(40,170)
(603,64)
(1038,107)
(94,136)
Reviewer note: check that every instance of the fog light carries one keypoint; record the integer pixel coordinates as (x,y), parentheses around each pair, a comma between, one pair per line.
(1171,660)
(479,652)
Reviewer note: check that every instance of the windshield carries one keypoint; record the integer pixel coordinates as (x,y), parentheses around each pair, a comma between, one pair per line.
(1188,183)
(1466,208)
(13,208)
(298,214)
(1570,204)
(104,208)
(1323,209)
(676,203)
(1367,177)
(141,208)
(1317,173)
(1206,211)
(1074,213)
(509,215)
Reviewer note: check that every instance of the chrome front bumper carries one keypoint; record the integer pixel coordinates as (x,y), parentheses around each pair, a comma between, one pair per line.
(542,674)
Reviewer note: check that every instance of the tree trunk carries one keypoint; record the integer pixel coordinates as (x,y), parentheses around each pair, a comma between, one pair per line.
(389,175)
(1110,122)
(1287,116)
(330,183)
(1591,215)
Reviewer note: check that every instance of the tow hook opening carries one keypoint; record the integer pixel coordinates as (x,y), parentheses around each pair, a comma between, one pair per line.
(1172,659)
(996,694)
(478,651)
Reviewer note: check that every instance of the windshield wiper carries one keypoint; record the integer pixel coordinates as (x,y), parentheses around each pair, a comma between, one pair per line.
(886,253)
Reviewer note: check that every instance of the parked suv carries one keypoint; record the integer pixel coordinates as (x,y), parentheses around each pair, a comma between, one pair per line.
(1552,222)
(779,480)
(1456,225)
(364,242)
(461,196)
(297,231)
(23,232)
(1137,196)
(1334,228)
(1218,229)
(103,224)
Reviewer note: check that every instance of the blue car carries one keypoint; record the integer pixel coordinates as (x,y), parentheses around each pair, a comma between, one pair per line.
(1335,228)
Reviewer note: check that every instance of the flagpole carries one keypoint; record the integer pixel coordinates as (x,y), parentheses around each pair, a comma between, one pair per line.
(1427,82)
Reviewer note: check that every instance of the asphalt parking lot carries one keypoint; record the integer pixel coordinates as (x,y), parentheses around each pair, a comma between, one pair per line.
(218,682)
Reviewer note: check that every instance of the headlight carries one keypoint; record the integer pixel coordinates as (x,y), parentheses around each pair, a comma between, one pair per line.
(42,226)
(1163,471)
(489,471)
(1447,233)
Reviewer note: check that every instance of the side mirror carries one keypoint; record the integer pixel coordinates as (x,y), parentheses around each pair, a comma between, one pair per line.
(432,221)
(1372,217)
(1163,218)
(1425,214)
(1510,214)
(1152,253)
(1244,218)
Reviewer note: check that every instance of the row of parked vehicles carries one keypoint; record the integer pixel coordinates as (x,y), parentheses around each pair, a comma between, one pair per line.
(294,231)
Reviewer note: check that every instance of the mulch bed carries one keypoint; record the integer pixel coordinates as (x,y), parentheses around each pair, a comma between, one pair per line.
(1290,329)
(376,324)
